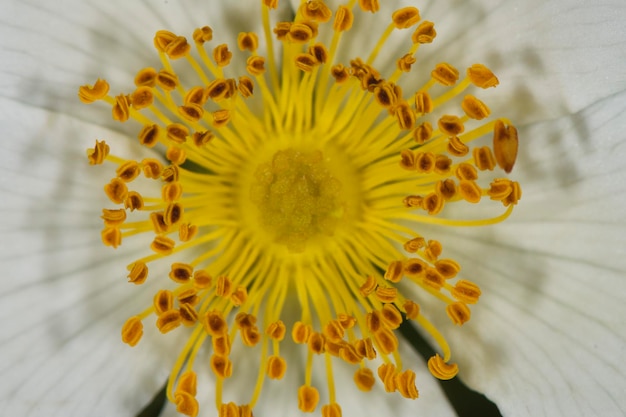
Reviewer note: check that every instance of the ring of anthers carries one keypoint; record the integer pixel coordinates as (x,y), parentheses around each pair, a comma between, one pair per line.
(302,179)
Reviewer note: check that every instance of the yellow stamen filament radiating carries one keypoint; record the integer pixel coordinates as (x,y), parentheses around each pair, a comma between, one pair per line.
(306,195)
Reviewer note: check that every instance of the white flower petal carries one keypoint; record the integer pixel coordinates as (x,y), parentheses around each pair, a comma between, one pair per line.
(48,50)
(552,57)
(548,335)
(63,295)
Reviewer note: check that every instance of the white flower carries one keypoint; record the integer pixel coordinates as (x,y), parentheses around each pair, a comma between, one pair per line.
(549,334)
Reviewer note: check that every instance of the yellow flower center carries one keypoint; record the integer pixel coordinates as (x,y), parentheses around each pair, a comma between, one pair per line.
(305,178)
(298,198)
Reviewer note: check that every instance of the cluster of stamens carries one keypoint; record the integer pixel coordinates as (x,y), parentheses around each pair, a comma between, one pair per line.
(285,224)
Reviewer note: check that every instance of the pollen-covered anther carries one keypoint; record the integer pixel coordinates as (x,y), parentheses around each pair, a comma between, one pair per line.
(433,278)
(162,245)
(365,348)
(245,86)
(483,158)
(320,53)
(98,153)
(255,65)
(188,315)
(221,345)
(405,115)
(407,160)
(433,250)
(443,164)
(114,217)
(128,171)
(405,18)
(222,55)
(149,135)
(346,321)
(466,172)
(333,330)
(221,117)
(180,272)
(414,244)
(177,132)
(305,62)
(466,291)
(364,379)
(228,410)
(146,77)
(440,369)
(425,33)
(350,354)
(450,124)
(186,404)
(167,80)
(191,112)
(221,366)
(172,214)
(202,35)
(276,367)
(300,332)
(425,162)
(412,201)
(302,32)
(386,294)
(405,62)
(423,133)
(386,341)
(247,41)
(414,267)
(368,286)
(412,309)
(445,74)
(505,145)
(111,236)
(138,273)
(481,76)
(215,324)
(433,203)
(446,188)
(423,102)
(317,342)
(188,383)
(470,191)
(391,316)
(276,331)
(315,10)
(369,5)
(394,271)
(116,190)
(168,321)
(474,108)
(141,98)
(223,286)
(448,268)
(239,296)
(343,19)
(152,168)
(405,384)
(176,155)
(308,397)
(121,108)
(387,374)
(458,312)
(202,279)
(90,93)
(331,410)
(373,321)
(132,331)
(163,301)
(201,139)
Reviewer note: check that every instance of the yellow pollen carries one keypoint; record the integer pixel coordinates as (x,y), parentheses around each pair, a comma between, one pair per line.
(286,167)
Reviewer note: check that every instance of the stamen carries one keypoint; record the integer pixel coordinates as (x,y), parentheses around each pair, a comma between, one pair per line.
(309,179)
